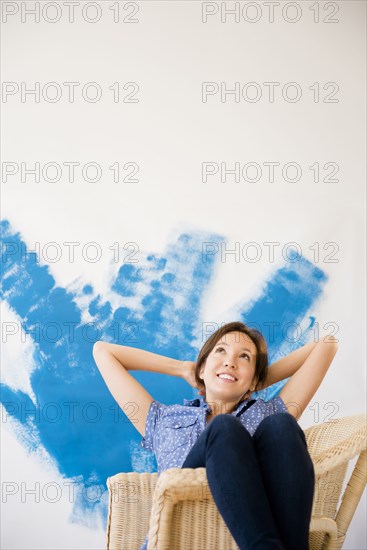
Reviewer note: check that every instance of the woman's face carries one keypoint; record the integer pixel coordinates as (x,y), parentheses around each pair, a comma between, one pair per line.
(235,354)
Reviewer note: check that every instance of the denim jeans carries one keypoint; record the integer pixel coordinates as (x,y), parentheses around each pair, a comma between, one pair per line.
(263,485)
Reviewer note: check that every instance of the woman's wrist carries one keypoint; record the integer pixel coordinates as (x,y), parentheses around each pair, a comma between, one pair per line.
(177,368)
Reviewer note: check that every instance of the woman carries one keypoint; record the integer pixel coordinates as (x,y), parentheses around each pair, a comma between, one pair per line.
(258,467)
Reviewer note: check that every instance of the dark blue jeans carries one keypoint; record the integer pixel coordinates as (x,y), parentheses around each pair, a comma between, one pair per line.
(263,485)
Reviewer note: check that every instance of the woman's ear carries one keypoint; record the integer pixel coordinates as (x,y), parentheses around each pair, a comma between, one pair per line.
(251,388)
(253,384)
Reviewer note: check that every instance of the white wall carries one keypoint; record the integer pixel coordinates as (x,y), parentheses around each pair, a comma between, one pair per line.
(169,52)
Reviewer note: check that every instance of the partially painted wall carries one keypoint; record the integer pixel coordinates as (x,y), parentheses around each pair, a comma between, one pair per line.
(179,182)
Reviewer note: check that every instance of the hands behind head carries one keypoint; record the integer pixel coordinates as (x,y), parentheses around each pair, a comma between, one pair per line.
(188,374)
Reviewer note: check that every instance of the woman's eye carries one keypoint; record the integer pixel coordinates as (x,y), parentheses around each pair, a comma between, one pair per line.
(243,355)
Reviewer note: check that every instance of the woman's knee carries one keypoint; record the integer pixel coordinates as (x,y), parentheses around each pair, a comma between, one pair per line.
(223,419)
(226,424)
(279,425)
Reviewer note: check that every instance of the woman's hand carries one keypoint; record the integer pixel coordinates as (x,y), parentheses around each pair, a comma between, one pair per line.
(188,374)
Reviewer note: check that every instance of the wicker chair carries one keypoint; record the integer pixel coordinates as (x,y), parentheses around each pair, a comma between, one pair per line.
(179,511)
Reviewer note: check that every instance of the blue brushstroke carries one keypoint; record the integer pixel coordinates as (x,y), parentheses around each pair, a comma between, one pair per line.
(89,448)
(281,311)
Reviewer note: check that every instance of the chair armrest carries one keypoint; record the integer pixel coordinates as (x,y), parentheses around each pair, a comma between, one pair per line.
(174,485)
(324,525)
(350,440)
(183,484)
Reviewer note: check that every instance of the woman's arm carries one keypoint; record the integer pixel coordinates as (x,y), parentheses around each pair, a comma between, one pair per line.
(287,366)
(302,386)
(138,359)
(114,361)
(132,397)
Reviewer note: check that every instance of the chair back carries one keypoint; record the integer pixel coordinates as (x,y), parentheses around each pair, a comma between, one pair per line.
(129,507)
(332,445)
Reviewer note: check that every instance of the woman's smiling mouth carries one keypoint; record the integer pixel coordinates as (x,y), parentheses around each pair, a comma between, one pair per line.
(226,377)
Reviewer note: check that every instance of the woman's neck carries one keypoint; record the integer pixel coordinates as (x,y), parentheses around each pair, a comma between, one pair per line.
(222,407)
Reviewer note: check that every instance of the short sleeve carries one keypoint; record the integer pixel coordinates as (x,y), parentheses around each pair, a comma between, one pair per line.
(155,412)
(276,405)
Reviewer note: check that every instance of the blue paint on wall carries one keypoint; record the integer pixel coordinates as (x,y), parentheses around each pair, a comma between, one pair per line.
(75,418)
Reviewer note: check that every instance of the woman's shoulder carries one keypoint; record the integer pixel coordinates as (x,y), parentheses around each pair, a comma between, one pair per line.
(273,405)
(188,408)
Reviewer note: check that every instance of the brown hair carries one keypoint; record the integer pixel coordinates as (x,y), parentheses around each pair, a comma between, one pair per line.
(261,367)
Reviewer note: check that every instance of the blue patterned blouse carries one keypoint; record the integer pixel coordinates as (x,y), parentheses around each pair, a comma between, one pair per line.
(172,430)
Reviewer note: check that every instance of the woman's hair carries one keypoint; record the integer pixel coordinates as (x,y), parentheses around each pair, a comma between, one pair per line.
(261,367)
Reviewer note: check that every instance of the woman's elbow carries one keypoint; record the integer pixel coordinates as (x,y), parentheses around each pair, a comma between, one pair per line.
(98,347)
(330,339)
